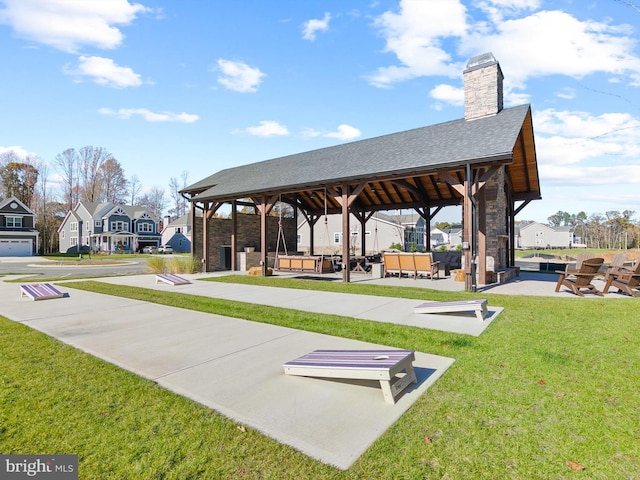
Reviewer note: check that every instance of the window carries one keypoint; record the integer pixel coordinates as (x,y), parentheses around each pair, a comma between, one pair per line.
(87,226)
(144,227)
(118,226)
(73,241)
(14,222)
(73,226)
(178,229)
(298,238)
(62,234)
(336,238)
(97,223)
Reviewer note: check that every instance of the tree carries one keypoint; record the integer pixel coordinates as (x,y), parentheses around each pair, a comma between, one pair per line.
(179,203)
(66,164)
(91,162)
(154,201)
(114,183)
(19,180)
(134,189)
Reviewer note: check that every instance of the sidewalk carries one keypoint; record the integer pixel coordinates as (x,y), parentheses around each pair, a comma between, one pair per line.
(233,366)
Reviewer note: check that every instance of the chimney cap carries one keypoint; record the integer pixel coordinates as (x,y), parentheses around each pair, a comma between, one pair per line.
(480,61)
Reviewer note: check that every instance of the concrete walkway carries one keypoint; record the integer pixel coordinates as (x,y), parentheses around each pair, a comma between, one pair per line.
(233,366)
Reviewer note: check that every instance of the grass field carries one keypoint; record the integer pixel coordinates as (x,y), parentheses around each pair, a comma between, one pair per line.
(548,391)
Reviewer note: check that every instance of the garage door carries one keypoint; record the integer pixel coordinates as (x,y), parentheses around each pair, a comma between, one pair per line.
(15,248)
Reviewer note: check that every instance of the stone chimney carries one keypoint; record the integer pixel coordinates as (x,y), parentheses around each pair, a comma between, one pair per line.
(482,87)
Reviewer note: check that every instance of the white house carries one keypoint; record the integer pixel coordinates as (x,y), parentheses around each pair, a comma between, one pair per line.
(380,232)
(539,235)
(177,233)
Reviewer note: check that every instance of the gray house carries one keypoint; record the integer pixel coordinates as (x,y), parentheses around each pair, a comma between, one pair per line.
(177,233)
(106,227)
(18,235)
(380,232)
(539,235)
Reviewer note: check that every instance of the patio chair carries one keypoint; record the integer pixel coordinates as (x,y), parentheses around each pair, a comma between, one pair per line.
(617,264)
(391,264)
(581,257)
(426,266)
(627,280)
(581,279)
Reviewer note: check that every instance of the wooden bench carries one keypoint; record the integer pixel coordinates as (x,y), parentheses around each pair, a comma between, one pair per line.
(381,365)
(171,279)
(300,263)
(479,306)
(40,291)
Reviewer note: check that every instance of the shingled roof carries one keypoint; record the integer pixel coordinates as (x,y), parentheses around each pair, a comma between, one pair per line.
(400,169)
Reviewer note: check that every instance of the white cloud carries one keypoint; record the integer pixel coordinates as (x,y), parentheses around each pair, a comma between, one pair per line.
(17,150)
(68,25)
(414,35)
(344,132)
(149,116)
(104,71)
(448,94)
(239,76)
(568,47)
(549,42)
(315,25)
(268,128)
(569,142)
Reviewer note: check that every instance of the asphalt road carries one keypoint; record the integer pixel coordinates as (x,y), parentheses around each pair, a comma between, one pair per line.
(44,268)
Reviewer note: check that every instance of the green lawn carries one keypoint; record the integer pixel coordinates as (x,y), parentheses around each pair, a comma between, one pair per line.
(551,386)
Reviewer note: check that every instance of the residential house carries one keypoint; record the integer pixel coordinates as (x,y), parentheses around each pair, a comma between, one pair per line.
(380,232)
(539,235)
(18,235)
(177,233)
(106,227)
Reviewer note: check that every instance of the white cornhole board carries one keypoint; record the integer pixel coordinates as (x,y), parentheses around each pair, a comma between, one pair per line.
(381,365)
(479,306)
(171,279)
(40,291)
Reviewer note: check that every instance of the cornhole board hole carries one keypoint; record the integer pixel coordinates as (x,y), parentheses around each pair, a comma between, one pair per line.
(478,306)
(40,291)
(381,365)
(171,279)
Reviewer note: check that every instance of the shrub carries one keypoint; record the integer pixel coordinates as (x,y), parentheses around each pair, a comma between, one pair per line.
(183,264)
(155,264)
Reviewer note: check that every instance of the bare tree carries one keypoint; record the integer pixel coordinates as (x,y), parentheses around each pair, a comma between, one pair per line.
(66,164)
(154,201)
(179,202)
(134,189)
(91,161)
(114,183)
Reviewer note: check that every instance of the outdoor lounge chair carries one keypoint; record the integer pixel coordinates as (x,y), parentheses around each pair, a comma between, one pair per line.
(627,280)
(40,291)
(581,279)
(407,264)
(171,279)
(391,264)
(381,365)
(426,266)
(617,264)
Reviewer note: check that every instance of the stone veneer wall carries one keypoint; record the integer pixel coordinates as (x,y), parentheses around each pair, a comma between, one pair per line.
(248,234)
(483,91)
(497,211)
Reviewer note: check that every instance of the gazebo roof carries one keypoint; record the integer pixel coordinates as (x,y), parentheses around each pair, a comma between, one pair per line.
(400,170)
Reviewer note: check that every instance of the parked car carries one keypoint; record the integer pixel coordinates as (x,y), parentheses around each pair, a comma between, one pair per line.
(165,249)
(150,249)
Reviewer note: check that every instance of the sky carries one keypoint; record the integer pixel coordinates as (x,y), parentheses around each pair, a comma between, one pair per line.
(174,89)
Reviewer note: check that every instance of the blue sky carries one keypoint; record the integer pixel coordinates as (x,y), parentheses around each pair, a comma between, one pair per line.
(197,86)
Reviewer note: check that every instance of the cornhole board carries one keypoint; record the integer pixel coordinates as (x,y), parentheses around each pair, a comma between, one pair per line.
(171,279)
(381,365)
(479,306)
(40,291)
